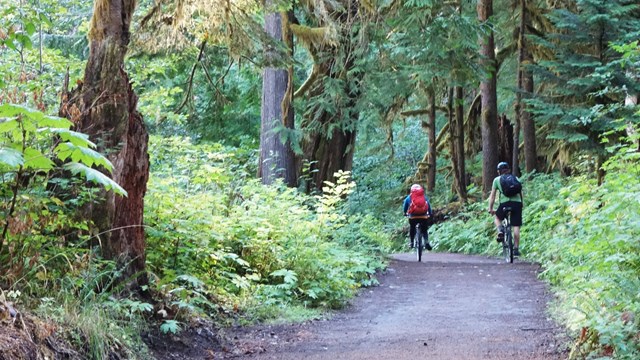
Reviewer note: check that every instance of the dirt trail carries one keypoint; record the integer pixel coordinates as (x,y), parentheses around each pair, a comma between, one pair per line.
(447,307)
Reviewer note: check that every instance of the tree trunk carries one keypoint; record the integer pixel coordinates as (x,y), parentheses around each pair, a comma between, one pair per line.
(515,154)
(277,159)
(330,144)
(505,139)
(459,142)
(489,99)
(107,113)
(526,89)
(432,152)
(631,100)
(329,153)
(452,143)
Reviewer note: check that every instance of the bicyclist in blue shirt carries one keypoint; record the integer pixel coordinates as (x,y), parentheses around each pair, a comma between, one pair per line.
(417,217)
(514,202)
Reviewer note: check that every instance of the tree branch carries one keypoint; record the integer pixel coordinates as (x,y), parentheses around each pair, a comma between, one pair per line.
(193,72)
(423,111)
(315,71)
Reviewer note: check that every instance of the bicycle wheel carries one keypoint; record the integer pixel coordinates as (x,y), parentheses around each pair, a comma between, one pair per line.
(419,243)
(508,240)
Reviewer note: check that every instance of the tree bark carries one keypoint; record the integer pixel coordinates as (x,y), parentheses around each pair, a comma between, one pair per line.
(489,99)
(527,121)
(432,152)
(459,143)
(277,159)
(104,107)
(452,142)
(329,153)
(329,144)
(505,139)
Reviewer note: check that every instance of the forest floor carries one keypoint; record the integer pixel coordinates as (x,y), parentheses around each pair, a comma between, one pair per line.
(447,307)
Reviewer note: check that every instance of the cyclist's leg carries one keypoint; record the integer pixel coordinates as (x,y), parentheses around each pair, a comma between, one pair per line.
(412,230)
(498,222)
(424,228)
(516,222)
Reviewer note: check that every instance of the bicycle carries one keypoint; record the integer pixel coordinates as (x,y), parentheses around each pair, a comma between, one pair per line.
(420,242)
(507,242)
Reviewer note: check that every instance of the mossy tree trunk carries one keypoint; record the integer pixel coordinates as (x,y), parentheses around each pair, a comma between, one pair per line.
(329,146)
(277,159)
(329,153)
(489,102)
(506,138)
(330,143)
(432,152)
(104,107)
(459,143)
(525,86)
(453,150)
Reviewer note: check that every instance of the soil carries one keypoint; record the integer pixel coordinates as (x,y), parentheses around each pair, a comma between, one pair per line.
(447,307)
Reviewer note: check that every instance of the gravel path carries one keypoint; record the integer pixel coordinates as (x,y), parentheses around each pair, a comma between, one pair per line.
(447,307)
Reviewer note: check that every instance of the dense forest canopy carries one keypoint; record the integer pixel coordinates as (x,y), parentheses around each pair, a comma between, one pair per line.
(236,160)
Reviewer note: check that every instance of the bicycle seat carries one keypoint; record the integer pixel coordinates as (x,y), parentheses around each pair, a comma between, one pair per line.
(507,208)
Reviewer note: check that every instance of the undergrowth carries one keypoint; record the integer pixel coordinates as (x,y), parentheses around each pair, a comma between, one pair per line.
(585,236)
(222,244)
(219,245)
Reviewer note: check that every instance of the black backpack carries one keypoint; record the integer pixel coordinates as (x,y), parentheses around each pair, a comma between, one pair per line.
(510,185)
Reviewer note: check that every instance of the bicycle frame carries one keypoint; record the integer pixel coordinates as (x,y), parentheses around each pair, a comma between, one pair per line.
(419,242)
(507,244)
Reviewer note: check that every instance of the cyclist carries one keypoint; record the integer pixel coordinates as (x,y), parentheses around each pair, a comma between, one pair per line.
(514,202)
(417,207)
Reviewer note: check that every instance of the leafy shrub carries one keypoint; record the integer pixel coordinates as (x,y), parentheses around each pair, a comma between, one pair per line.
(587,241)
(210,220)
(35,150)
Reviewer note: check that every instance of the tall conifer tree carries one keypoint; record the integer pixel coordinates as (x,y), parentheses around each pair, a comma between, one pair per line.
(584,84)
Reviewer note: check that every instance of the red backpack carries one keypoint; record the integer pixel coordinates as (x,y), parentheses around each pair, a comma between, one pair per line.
(418,204)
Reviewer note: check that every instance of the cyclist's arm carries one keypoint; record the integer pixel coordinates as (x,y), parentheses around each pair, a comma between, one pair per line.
(405,206)
(492,199)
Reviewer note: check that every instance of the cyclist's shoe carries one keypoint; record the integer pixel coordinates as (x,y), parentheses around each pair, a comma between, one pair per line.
(516,252)
(411,245)
(428,246)
(500,234)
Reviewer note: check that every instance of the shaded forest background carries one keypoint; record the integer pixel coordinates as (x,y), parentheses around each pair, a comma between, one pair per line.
(164,161)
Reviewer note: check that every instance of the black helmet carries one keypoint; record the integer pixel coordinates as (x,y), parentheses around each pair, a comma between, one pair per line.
(503,166)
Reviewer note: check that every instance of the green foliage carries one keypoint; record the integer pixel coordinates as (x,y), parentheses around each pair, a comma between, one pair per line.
(251,246)
(585,82)
(592,254)
(82,303)
(48,256)
(170,326)
(585,237)
(471,231)
(31,141)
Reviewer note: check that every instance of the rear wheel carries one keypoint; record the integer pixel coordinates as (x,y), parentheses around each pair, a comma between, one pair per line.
(419,244)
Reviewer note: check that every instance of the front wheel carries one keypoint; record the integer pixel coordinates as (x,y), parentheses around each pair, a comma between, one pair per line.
(508,246)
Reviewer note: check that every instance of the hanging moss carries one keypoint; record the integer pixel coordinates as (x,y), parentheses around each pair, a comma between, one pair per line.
(315,37)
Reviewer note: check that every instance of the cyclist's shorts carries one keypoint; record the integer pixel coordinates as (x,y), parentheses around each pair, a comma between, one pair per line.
(516,212)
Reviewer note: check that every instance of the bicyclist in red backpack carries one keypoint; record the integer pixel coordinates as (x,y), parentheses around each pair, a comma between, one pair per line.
(515,202)
(416,206)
